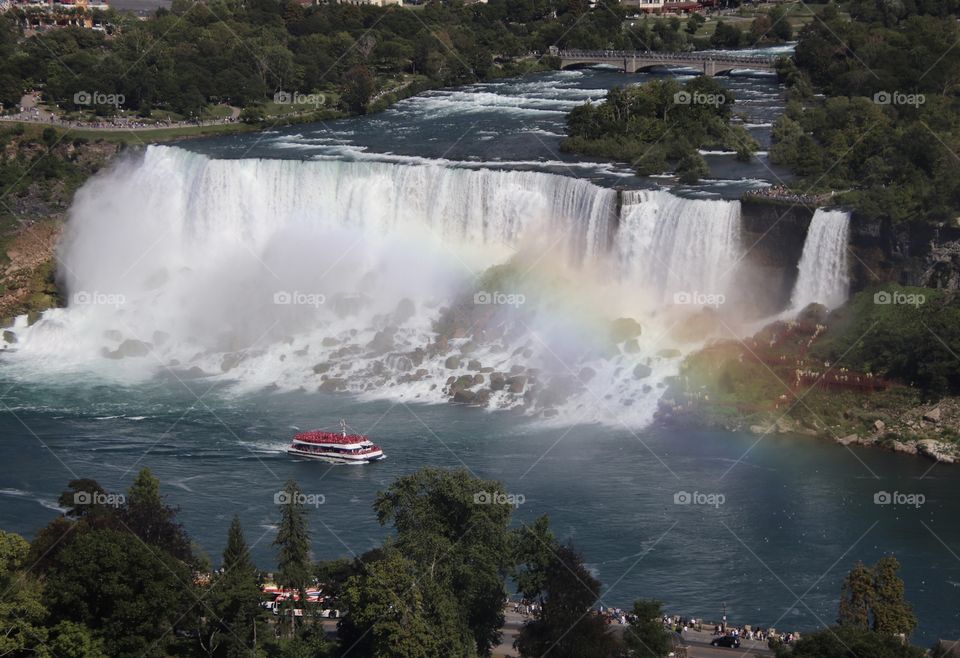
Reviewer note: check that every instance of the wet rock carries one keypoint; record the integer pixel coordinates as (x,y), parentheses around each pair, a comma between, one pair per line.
(848,439)
(33,316)
(516,370)
(451,379)
(405,310)
(129,348)
(498,381)
(477,379)
(464,397)
(936,450)
(9,337)
(906,448)
(623,329)
(417,356)
(482,398)
(329,341)
(486,369)
(382,341)
(231,361)
(473,364)
(332,385)
(647,388)
(7,323)
(321,368)
(452,363)
(516,384)
(641,371)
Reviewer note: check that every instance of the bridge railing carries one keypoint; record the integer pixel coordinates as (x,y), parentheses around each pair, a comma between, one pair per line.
(643,54)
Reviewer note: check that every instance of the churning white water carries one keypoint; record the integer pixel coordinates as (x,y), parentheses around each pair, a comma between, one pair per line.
(823,270)
(361,277)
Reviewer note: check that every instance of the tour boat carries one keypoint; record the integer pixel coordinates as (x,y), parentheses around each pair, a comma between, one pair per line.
(336,447)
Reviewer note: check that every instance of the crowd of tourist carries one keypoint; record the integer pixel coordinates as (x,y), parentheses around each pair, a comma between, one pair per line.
(783,193)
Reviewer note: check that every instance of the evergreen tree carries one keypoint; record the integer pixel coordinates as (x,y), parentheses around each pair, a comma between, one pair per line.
(293,540)
(856,597)
(145,514)
(891,612)
(234,600)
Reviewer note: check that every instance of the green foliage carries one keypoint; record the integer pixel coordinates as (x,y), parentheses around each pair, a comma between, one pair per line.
(849,642)
(646,637)
(145,514)
(128,594)
(910,334)
(450,526)
(657,123)
(887,131)
(293,540)
(565,627)
(397,611)
(874,598)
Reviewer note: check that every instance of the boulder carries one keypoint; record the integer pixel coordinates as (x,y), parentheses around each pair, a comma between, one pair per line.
(321,368)
(231,361)
(329,341)
(933,415)
(516,370)
(464,397)
(9,337)
(473,364)
(515,384)
(129,348)
(452,362)
(879,425)
(497,381)
(641,371)
(848,439)
(936,450)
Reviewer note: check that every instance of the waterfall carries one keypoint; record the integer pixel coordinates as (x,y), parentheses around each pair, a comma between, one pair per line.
(678,246)
(365,277)
(823,276)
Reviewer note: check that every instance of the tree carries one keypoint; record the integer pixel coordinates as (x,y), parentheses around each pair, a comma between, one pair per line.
(565,626)
(293,540)
(396,612)
(22,613)
(646,637)
(128,594)
(849,642)
(234,600)
(856,597)
(453,526)
(145,514)
(891,612)
(359,84)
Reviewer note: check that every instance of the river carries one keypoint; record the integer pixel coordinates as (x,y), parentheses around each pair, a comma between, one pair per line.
(773,524)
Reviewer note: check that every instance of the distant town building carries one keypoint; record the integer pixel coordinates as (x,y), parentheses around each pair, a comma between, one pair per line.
(666,6)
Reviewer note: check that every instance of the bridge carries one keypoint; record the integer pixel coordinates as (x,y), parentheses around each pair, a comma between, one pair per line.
(633,61)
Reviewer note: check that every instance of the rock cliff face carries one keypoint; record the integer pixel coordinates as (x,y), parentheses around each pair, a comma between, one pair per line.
(913,254)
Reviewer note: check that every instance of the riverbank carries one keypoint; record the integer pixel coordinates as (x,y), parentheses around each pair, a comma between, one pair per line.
(785,380)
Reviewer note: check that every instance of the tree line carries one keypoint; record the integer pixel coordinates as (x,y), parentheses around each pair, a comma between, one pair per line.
(872,111)
(117,575)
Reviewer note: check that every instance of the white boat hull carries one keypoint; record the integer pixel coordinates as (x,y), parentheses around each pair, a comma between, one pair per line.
(334,458)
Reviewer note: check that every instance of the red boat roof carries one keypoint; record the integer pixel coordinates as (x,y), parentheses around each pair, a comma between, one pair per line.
(330,437)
